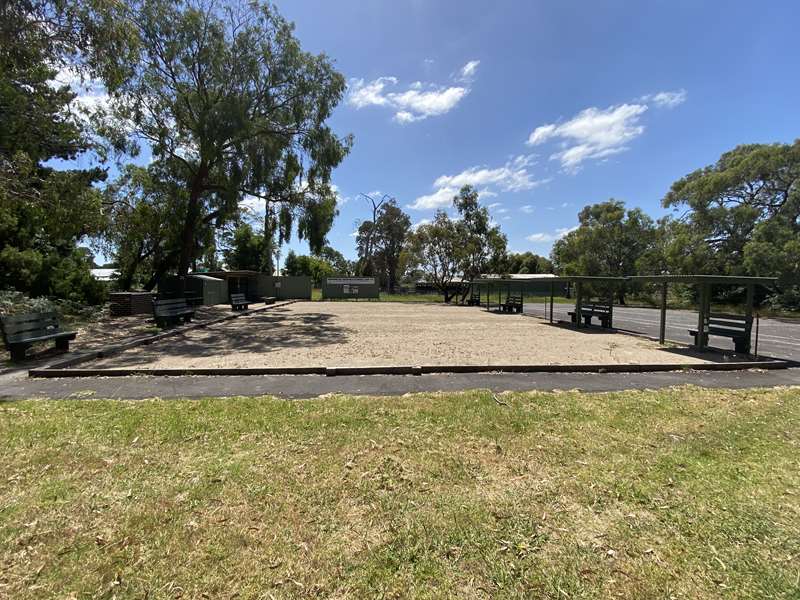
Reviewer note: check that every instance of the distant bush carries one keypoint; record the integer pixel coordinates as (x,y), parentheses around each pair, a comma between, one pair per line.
(17,303)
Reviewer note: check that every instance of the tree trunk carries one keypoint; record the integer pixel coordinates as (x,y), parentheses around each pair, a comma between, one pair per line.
(191,220)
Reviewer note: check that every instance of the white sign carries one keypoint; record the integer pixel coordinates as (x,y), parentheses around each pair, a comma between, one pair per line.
(350,281)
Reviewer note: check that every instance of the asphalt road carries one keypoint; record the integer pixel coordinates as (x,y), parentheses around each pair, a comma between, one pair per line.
(776,338)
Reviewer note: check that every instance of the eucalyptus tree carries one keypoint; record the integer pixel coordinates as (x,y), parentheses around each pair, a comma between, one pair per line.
(230,104)
(48,205)
(742,214)
(484,245)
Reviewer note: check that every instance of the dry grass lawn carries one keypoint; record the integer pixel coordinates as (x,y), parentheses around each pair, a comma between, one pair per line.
(685,493)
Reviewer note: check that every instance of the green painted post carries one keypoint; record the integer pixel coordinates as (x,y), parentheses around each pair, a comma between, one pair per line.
(749,313)
(662,332)
(552,291)
(702,315)
(578,302)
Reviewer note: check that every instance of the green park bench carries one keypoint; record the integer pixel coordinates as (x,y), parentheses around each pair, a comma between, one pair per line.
(513,303)
(172,312)
(22,331)
(474,298)
(239,302)
(735,327)
(603,312)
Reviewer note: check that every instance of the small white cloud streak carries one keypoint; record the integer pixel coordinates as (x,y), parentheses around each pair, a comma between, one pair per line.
(468,70)
(666,99)
(420,101)
(543,237)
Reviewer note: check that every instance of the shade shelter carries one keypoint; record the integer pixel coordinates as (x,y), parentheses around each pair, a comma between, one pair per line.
(709,323)
(737,327)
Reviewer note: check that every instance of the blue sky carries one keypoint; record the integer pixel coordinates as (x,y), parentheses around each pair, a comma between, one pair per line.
(547,106)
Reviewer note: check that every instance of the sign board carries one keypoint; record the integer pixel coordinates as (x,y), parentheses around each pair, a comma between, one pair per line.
(350,280)
(342,288)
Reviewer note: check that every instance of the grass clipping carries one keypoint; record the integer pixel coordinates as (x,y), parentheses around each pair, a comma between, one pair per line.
(685,493)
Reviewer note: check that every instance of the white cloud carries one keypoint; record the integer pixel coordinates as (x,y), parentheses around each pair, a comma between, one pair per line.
(666,99)
(550,237)
(91,94)
(511,177)
(494,205)
(514,176)
(255,206)
(596,134)
(468,70)
(438,199)
(527,209)
(363,94)
(421,222)
(593,133)
(419,101)
(341,199)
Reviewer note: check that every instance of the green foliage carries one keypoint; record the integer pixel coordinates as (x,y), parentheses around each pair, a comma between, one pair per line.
(246,250)
(609,241)
(743,217)
(341,266)
(381,244)
(44,212)
(528,262)
(484,245)
(231,107)
(437,247)
(312,266)
(455,252)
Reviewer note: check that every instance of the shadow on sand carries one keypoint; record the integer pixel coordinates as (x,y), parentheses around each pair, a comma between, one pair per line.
(260,333)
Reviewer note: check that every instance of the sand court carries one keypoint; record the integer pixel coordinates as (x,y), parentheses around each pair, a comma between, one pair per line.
(338,334)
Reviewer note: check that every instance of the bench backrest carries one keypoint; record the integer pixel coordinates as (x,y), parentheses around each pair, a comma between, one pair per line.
(17,328)
(732,322)
(598,308)
(238,299)
(168,307)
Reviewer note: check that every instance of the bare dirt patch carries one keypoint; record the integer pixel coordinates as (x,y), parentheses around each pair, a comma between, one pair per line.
(333,334)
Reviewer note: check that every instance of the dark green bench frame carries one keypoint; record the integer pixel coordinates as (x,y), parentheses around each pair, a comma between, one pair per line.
(513,304)
(172,311)
(474,298)
(239,302)
(735,327)
(603,312)
(22,331)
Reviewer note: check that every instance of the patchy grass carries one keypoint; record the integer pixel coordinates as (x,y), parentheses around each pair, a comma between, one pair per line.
(686,493)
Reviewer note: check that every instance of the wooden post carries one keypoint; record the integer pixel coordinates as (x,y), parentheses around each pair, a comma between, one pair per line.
(552,291)
(578,302)
(662,332)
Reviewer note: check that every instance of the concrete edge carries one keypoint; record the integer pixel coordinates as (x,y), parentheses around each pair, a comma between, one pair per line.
(113,349)
(415,370)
